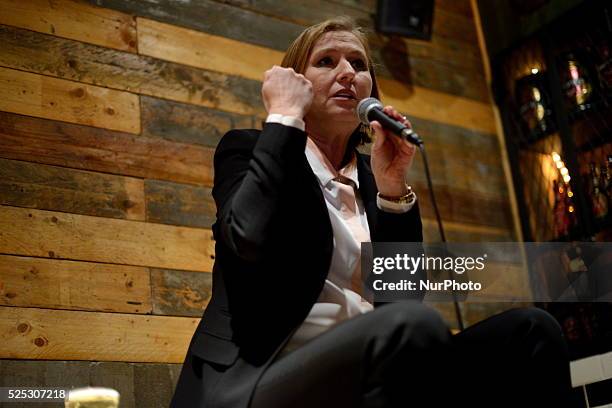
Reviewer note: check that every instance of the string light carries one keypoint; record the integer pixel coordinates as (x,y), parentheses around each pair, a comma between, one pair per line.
(561,166)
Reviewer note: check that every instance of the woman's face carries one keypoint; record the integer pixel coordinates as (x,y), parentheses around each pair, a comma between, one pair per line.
(338,70)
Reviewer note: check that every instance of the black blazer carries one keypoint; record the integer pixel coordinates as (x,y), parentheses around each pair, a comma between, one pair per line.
(273,250)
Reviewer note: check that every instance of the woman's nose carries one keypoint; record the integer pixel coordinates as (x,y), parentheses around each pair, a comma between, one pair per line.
(346,72)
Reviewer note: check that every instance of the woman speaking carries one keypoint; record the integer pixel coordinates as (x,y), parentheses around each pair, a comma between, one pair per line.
(287,325)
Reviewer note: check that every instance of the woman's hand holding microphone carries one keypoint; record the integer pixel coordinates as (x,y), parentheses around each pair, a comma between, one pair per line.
(391,157)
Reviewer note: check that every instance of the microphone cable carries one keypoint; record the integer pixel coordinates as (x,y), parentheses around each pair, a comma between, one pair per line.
(373,106)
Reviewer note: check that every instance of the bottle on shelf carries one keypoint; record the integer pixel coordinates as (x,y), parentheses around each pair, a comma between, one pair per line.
(561,219)
(576,81)
(534,106)
(599,201)
(607,179)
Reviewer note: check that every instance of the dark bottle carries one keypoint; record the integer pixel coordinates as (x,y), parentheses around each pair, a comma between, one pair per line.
(561,221)
(534,105)
(607,179)
(599,201)
(576,82)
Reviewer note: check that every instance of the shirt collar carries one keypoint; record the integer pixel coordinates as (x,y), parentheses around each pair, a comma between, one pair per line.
(324,170)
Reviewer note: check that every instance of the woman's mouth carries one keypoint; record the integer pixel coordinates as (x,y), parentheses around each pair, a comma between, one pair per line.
(345,95)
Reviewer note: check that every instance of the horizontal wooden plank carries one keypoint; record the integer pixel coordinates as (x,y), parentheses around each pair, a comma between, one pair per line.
(449,52)
(29,333)
(133,381)
(203,50)
(438,107)
(477,312)
(369,6)
(460,174)
(179,204)
(465,206)
(461,7)
(214,18)
(422,72)
(180,293)
(77,61)
(463,232)
(83,147)
(53,98)
(456,26)
(81,237)
(72,19)
(181,122)
(58,284)
(308,12)
(24,184)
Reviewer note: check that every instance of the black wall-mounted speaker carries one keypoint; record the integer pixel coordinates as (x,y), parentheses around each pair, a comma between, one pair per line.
(408,18)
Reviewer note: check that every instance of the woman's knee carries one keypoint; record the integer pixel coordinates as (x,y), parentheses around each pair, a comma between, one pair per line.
(537,328)
(422,324)
(533,317)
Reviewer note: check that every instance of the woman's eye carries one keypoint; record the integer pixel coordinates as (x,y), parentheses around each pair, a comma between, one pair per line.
(360,65)
(324,61)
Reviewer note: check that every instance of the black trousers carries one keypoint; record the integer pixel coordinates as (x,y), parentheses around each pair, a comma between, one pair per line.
(402,355)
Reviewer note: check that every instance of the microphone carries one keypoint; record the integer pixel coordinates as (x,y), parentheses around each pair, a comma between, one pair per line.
(370,109)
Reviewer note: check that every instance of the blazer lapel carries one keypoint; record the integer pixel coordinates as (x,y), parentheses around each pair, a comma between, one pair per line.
(367,188)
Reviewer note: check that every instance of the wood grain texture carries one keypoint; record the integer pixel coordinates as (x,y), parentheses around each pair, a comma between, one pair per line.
(395,57)
(438,107)
(72,19)
(459,159)
(58,99)
(203,50)
(396,62)
(368,6)
(179,204)
(30,185)
(145,75)
(57,284)
(184,123)
(85,63)
(81,237)
(462,232)
(401,59)
(30,333)
(464,206)
(139,384)
(428,64)
(214,18)
(180,293)
(83,147)
(462,161)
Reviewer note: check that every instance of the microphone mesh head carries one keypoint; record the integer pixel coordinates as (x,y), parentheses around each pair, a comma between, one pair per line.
(364,107)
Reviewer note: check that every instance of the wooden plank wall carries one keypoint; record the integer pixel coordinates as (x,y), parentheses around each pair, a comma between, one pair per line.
(110,111)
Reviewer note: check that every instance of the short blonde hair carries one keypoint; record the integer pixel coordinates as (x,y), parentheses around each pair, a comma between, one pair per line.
(299,51)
